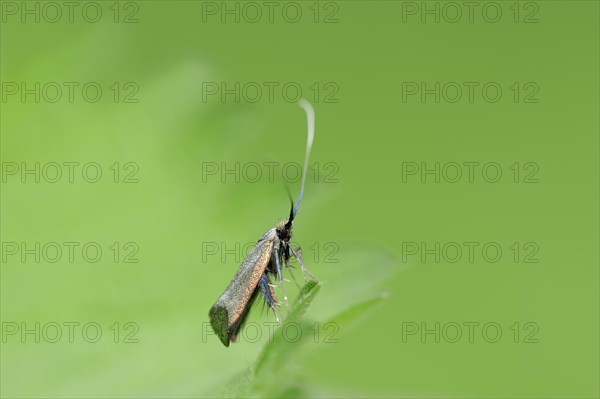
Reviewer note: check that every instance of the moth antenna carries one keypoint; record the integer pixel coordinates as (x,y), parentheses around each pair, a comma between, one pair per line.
(310,116)
(291,218)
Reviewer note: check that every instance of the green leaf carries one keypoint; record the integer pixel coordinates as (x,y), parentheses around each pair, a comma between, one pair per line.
(345,295)
(277,348)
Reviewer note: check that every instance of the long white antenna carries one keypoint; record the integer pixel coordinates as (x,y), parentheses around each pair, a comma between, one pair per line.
(310,116)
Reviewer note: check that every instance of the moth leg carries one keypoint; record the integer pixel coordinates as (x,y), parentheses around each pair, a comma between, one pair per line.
(287,264)
(265,287)
(298,255)
(277,261)
(286,258)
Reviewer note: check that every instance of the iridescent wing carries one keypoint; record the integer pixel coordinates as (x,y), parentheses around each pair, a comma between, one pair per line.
(228,312)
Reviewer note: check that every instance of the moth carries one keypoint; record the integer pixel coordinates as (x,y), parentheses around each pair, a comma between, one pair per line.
(252,279)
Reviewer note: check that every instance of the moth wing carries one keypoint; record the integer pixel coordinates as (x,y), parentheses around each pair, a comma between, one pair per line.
(228,312)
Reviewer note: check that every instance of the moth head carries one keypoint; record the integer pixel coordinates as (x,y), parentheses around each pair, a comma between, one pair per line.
(284,228)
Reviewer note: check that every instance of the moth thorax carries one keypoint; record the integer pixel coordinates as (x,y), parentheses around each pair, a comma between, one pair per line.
(284,233)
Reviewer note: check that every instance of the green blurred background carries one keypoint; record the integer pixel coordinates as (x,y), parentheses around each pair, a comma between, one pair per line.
(355,61)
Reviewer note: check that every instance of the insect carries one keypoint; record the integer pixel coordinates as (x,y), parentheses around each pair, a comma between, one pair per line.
(252,279)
